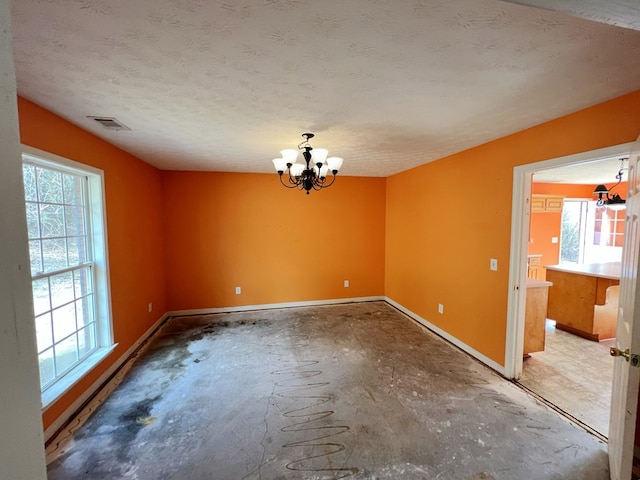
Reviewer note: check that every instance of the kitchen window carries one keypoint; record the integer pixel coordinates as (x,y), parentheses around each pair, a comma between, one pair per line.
(590,234)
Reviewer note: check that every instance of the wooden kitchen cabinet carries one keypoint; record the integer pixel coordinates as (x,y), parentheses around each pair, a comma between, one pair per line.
(534,266)
(546,203)
(535,316)
(577,288)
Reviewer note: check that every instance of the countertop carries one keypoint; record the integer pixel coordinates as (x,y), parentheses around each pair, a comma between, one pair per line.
(602,270)
(534,282)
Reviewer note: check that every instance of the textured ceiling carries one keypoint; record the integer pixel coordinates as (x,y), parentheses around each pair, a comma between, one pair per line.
(225,84)
(587,173)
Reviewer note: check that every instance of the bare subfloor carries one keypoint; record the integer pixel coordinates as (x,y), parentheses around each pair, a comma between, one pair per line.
(355,390)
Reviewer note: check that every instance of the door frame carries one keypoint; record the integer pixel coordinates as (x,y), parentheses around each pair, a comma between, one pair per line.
(520,216)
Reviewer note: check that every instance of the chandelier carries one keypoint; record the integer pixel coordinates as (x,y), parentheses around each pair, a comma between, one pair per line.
(614,200)
(311,175)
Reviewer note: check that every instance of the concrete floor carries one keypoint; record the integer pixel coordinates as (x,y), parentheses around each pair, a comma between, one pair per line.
(328,392)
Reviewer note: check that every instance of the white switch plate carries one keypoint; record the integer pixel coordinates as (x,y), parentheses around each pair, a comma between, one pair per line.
(346,284)
(493,264)
(238,290)
(440,308)
(554,239)
(150,306)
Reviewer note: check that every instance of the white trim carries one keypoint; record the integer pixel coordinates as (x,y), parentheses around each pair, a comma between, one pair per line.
(56,161)
(75,407)
(67,381)
(520,213)
(272,306)
(448,337)
(519,245)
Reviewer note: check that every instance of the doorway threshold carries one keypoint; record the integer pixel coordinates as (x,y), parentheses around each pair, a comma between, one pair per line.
(562,412)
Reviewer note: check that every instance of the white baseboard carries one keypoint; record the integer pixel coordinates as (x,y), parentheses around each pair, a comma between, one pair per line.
(271,306)
(72,409)
(448,337)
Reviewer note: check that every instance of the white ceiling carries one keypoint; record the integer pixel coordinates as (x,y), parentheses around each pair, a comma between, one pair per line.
(587,173)
(225,84)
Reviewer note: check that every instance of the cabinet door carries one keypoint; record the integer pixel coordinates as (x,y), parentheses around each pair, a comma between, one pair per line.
(553,204)
(537,204)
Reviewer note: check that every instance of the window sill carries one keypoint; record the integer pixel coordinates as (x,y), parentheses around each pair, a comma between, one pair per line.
(62,386)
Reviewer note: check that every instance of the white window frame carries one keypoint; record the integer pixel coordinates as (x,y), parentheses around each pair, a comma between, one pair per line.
(97,231)
(590,252)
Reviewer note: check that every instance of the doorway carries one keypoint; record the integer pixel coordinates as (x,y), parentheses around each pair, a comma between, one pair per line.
(545,373)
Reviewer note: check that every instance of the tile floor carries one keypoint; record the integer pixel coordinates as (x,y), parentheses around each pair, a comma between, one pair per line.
(354,390)
(574,374)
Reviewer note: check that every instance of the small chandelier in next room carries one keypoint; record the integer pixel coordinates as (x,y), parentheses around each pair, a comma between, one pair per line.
(612,200)
(309,175)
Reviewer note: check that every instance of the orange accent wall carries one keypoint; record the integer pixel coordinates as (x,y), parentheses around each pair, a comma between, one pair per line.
(278,245)
(447,218)
(133,191)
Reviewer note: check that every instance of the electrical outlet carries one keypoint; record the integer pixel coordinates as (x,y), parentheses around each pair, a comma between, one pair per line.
(346,284)
(440,308)
(493,264)
(150,307)
(238,290)
(554,239)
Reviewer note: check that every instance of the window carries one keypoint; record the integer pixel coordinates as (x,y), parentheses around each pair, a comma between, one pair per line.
(67,249)
(590,234)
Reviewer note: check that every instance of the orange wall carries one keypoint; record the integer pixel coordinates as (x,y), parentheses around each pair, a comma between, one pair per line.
(133,191)
(442,229)
(278,245)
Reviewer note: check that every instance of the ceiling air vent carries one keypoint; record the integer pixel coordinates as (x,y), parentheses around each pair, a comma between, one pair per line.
(110,123)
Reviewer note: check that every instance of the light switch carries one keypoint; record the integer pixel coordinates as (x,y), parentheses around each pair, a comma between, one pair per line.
(554,239)
(493,264)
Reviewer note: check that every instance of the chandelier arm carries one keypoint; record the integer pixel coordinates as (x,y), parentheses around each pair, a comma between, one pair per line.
(619,175)
(294,185)
(330,183)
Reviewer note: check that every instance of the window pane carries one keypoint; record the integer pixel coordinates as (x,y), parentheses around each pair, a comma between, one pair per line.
(84,311)
(47,372)
(43,331)
(64,322)
(66,354)
(77,250)
(82,282)
(86,340)
(52,220)
(41,296)
(55,254)
(570,232)
(74,218)
(61,289)
(72,189)
(49,186)
(34,257)
(29,178)
(33,221)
